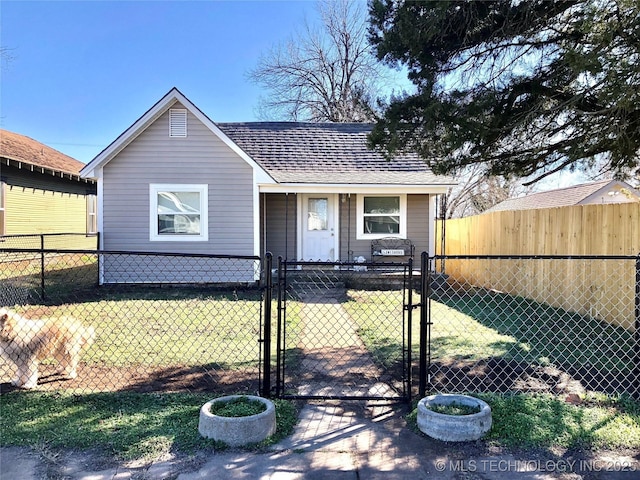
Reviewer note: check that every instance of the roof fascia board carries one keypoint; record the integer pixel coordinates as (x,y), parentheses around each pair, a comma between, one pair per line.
(595,196)
(130,134)
(348,188)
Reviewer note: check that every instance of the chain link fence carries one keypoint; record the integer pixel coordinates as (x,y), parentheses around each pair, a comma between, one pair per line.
(131,321)
(167,322)
(527,324)
(343,331)
(58,241)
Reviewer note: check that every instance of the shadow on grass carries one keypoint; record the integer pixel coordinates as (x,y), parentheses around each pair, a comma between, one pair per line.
(214,378)
(545,421)
(597,354)
(64,273)
(131,425)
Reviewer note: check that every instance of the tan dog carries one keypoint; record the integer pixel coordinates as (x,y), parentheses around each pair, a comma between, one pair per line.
(27,342)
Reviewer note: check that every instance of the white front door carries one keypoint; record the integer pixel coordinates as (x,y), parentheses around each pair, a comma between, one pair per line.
(318,239)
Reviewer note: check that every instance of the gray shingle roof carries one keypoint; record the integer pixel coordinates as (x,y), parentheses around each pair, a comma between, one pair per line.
(326,153)
(561,197)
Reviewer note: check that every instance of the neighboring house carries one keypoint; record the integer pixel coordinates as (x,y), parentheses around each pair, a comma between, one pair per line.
(175,181)
(604,191)
(41,190)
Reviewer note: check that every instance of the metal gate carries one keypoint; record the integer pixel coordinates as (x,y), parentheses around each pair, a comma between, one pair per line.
(343,331)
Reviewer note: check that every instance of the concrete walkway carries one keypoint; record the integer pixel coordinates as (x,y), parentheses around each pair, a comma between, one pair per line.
(335,361)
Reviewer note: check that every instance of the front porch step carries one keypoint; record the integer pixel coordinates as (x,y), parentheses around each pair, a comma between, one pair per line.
(316,285)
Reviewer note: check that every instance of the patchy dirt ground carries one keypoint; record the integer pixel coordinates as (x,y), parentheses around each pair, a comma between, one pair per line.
(491,375)
(146,379)
(501,375)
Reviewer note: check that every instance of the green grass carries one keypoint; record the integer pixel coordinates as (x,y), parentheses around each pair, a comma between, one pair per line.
(378,315)
(475,326)
(238,407)
(545,421)
(126,425)
(163,328)
(454,408)
(543,334)
(453,334)
(147,426)
(157,327)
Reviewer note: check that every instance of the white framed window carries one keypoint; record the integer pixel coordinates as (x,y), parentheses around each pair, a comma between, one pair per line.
(92,217)
(178,122)
(380,216)
(178,212)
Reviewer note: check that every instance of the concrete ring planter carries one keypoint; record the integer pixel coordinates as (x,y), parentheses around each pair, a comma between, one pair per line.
(453,428)
(238,431)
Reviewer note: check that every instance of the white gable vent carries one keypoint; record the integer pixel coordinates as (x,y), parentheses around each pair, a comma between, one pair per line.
(177,122)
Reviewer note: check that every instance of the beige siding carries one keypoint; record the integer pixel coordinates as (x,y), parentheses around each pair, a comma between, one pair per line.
(200,158)
(418,227)
(350,247)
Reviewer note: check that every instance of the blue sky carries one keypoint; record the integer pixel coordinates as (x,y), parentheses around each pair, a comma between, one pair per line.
(81,72)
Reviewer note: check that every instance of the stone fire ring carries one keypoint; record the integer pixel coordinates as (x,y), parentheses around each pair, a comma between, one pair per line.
(454,428)
(238,431)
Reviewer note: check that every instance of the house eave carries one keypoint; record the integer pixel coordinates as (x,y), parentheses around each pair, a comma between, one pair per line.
(435,189)
(31,167)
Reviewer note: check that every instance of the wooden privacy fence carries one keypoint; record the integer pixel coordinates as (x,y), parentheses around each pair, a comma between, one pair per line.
(607,230)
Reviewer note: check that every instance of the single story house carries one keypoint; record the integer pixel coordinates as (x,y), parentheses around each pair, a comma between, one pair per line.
(175,181)
(603,191)
(41,190)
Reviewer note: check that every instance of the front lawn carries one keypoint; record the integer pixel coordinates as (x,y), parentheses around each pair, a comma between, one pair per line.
(378,315)
(545,421)
(161,327)
(127,425)
(481,325)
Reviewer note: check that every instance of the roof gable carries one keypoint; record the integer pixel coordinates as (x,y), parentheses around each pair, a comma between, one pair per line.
(293,153)
(173,97)
(562,197)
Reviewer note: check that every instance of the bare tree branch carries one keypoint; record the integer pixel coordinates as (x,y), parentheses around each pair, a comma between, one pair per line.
(324,74)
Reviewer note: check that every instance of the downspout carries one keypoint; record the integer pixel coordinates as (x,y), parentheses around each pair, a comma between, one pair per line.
(264,222)
(443,232)
(286,226)
(349,252)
